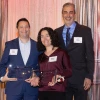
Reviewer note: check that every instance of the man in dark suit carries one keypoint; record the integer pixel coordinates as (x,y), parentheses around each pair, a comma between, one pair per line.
(77,40)
(19,53)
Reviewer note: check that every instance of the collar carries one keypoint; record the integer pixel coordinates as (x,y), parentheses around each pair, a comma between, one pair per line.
(22,42)
(72,26)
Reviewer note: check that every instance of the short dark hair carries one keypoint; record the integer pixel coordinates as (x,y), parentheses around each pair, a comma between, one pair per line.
(22,19)
(53,37)
(69,4)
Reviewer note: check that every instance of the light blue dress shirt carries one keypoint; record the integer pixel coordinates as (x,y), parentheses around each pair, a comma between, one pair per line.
(25,50)
(71,31)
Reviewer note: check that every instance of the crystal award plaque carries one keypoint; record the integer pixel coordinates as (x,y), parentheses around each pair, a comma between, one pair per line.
(21,73)
(46,77)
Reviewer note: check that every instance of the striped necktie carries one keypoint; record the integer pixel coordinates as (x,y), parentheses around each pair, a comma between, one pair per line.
(67,37)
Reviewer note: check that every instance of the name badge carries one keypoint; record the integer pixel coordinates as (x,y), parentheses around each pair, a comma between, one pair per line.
(13,52)
(77,39)
(53,59)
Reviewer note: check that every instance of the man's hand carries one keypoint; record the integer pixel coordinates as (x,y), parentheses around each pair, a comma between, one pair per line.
(87,83)
(34,81)
(6,78)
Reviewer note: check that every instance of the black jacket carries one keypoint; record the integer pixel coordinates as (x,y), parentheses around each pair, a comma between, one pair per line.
(81,54)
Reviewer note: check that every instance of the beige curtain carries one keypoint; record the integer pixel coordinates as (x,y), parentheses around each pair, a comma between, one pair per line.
(42,13)
(3,30)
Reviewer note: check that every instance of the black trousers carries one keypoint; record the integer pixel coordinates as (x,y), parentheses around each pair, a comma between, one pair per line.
(77,92)
(51,95)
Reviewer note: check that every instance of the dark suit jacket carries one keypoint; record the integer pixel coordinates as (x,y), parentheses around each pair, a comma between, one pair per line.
(15,88)
(81,54)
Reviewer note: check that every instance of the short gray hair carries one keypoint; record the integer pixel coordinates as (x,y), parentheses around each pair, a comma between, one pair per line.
(69,4)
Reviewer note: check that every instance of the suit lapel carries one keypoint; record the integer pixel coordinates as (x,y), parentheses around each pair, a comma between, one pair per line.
(19,53)
(61,37)
(30,55)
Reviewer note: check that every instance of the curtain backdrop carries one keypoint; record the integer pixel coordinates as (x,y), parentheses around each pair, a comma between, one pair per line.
(41,13)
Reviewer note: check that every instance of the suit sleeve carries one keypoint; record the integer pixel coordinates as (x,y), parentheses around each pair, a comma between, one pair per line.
(89,54)
(4,60)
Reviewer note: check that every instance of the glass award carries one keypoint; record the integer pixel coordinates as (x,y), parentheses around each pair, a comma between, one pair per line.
(21,73)
(46,77)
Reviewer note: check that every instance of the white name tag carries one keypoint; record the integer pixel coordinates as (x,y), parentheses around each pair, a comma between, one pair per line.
(77,39)
(13,52)
(53,59)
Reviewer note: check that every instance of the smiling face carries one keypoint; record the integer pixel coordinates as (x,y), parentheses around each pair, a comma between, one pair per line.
(68,14)
(23,29)
(45,38)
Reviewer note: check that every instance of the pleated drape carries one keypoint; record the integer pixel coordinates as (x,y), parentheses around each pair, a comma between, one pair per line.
(41,13)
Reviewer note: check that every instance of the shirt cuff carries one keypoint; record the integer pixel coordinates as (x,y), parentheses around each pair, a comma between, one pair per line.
(1,78)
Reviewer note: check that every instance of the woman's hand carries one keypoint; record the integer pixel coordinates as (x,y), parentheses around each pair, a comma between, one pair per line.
(56,79)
